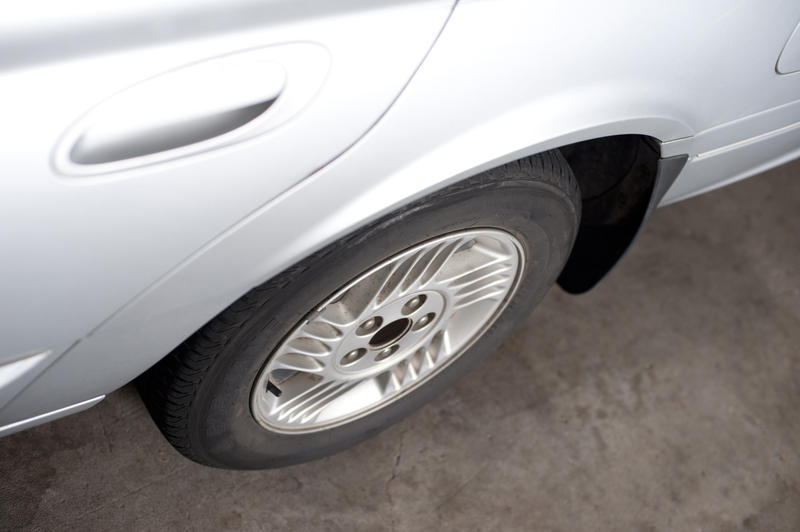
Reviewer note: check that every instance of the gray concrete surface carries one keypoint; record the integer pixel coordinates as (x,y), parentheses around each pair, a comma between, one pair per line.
(666,399)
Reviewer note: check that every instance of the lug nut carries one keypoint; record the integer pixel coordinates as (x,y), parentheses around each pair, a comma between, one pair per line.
(369,326)
(424,321)
(413,304)
(386,352)
(353,356)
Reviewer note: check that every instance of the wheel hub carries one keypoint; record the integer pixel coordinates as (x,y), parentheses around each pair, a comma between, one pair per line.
(390,334)
(392,331)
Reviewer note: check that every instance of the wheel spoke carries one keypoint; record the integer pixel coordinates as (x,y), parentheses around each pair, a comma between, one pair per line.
(482,286)
(305,345)
(394,280)
(298,362)
(427,264)
(284,407)
(309,411)
(437,262)
(322,331)
(479,273)
(484,294)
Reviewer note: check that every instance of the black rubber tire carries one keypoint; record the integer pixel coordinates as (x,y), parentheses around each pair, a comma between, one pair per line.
(199,395)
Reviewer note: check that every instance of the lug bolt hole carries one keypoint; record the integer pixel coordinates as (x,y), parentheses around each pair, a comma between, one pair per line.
(369,326)
(413,304)
(353,356)
(386,352)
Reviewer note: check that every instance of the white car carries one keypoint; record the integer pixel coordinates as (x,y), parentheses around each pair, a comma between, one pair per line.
(295,222)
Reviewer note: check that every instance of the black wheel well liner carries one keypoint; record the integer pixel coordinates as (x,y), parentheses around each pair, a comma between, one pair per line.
(622,180)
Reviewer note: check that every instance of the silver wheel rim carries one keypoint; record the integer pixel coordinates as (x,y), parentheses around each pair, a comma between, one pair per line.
(388,331)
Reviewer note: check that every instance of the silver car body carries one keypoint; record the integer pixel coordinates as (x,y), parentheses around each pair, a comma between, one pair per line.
(109,261)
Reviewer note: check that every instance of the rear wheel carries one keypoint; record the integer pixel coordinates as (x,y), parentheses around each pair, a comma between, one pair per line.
(370,328)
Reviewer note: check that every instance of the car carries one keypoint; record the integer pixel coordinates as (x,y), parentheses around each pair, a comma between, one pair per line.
(293,223)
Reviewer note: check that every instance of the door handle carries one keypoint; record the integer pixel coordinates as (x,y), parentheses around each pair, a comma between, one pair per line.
(121,140)
(179,108)
(195,108)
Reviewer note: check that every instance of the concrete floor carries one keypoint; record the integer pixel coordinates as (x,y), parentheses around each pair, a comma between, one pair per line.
(666,399)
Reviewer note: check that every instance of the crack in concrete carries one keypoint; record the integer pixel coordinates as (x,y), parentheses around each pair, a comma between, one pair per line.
(458,490)
(393,476)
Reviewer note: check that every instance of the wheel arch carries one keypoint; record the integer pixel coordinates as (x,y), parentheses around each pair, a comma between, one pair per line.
(622,180)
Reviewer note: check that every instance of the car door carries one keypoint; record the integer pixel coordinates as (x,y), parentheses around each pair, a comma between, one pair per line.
(135,132)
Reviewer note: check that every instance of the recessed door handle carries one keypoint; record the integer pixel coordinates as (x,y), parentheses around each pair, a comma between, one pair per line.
(196,108)
(120,141)
(179,108)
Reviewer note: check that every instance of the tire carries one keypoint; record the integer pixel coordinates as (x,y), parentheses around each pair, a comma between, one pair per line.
(204,395)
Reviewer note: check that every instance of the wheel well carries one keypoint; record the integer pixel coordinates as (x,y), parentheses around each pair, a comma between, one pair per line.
(617,176)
